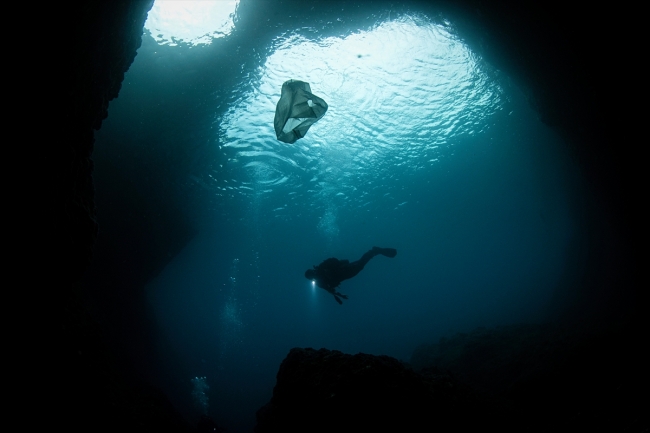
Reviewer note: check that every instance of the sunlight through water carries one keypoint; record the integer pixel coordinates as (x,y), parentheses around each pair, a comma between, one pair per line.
(399,95)
(193,22)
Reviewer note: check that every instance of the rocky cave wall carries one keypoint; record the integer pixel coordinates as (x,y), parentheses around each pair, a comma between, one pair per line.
(94,44)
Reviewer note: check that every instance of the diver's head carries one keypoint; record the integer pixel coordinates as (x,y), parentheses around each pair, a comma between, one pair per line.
(310,274)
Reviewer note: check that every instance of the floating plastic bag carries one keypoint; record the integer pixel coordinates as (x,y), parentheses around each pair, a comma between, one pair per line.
(296,111)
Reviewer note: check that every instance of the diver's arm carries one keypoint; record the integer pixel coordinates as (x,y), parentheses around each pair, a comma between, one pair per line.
(337,295)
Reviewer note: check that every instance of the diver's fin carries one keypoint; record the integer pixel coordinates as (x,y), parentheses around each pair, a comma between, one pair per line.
(342,295)
(338,299)
(388,252)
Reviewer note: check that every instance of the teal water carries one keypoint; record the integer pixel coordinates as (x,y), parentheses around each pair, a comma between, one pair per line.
(425,148)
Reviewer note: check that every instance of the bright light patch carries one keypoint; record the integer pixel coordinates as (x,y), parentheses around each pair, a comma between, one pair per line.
(398,95)
(193,22)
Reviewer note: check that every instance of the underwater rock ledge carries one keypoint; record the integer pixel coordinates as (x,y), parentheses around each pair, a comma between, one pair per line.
(552,377)
(523,377)
(327,390)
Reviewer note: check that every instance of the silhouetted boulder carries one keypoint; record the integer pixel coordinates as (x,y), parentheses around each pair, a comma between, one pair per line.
(327,390)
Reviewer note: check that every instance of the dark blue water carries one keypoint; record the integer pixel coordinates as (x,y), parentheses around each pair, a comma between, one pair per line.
(425,148)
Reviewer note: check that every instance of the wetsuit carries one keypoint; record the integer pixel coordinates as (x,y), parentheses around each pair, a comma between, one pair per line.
(331,272)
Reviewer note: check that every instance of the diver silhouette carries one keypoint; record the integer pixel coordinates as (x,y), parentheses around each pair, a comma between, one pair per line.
(329,274)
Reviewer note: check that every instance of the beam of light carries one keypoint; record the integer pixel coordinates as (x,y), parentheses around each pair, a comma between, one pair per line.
(193,22)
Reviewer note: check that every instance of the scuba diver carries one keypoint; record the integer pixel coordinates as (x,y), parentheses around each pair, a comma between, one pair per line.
(329,274)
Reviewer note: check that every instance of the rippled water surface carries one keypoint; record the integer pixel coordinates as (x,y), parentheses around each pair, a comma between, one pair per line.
(399,95)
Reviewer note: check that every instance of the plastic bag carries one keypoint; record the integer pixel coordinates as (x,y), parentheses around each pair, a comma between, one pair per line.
(296,111)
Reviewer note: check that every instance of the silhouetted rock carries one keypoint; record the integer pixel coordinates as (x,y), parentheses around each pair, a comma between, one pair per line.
(327,390)
(72,368)
(553,377)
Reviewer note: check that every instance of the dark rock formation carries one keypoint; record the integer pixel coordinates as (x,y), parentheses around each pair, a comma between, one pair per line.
(535,378)
(99,42)
(554,378)
(324,391)
(74,381)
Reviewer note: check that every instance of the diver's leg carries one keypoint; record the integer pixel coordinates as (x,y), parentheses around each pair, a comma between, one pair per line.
(365,258)
(355,267)
(388,252)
